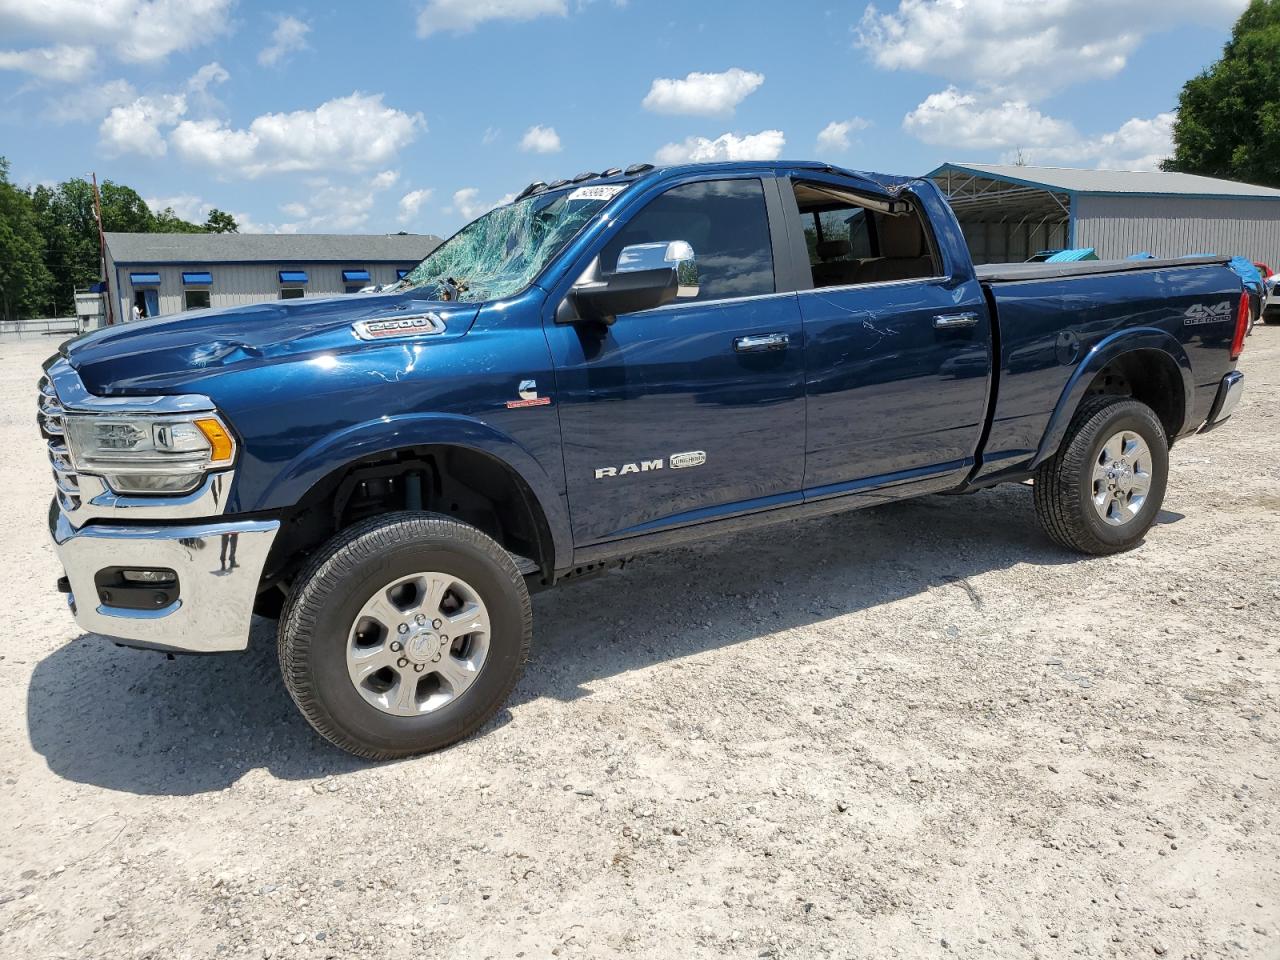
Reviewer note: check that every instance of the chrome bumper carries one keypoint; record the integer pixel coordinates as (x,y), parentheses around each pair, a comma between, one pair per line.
(1229,393)
(219,566)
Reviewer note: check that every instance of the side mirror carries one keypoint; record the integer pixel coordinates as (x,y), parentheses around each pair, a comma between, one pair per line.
(648,275)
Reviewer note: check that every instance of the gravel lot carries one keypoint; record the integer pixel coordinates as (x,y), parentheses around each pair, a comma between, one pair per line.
(918,731)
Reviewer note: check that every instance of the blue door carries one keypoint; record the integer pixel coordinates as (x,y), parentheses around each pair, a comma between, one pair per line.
(694,410)
(152,298)
(897,353)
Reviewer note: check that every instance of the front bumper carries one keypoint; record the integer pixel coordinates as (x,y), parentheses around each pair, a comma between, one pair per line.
(1229,393)
(219,566)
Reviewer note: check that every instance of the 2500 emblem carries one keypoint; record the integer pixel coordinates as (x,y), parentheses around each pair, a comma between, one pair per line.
(677,461)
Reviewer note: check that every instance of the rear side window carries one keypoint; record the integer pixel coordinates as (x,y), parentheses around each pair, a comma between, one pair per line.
(850,242)
(726,223)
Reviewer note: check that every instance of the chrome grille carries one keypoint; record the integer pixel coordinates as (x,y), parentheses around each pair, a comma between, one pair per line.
(50,416)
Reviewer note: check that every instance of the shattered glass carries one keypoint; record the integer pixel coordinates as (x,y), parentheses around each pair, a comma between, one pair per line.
(500,254)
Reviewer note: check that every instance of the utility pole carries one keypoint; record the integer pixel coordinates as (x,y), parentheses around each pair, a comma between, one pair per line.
(102,251)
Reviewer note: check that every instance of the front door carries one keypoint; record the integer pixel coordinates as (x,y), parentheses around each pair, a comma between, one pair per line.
(152,299)
(695,410)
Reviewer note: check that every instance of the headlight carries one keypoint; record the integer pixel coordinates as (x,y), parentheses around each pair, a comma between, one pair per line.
(142,454)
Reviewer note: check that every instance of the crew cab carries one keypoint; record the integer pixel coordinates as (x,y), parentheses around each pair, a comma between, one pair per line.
(607,365)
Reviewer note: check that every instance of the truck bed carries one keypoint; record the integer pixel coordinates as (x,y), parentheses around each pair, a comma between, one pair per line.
(1017,272)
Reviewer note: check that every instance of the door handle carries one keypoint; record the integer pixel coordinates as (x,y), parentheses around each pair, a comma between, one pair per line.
(761,343)
(951,321)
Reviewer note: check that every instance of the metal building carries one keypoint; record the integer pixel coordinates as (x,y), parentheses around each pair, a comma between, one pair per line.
(167,273)
(1009,213)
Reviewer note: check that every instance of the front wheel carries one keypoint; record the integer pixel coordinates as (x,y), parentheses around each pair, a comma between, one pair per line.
(404,635)
(1101,492)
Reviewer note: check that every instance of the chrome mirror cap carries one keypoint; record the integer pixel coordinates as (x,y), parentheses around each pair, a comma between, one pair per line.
(677,255)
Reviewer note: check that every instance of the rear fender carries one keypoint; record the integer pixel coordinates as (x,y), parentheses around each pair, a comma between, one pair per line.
(1103,353)
(390,434)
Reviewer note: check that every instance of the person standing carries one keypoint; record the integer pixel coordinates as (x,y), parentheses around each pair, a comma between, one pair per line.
(137,314)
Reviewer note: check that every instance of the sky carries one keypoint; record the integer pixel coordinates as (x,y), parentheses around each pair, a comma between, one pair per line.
(419,115)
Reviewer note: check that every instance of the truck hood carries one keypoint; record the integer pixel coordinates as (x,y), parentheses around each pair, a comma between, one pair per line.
(164,354)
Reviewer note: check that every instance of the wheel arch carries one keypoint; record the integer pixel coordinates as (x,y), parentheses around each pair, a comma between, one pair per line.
(1147,364)
(455,448)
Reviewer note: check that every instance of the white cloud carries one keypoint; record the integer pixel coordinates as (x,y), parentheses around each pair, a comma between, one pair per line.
(211,74)
(91,103)
(1139,144)
(294,209)
(289,36)
(766,145)
(135,127)
(62,62)
(1025,48)
(540,139)
(491,135)
(384,180)
(137,31)
(187,206)
(411,203)
(702,93)
(461,16)
(356,132)
(955,119)
(836,136)
(467,203)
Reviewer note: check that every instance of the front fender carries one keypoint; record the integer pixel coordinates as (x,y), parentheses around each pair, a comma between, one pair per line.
(389,434)
(1104,352)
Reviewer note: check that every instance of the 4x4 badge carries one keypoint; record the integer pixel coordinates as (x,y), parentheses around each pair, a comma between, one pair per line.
(528,396)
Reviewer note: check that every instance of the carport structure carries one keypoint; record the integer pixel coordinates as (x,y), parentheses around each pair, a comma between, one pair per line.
(1009,212)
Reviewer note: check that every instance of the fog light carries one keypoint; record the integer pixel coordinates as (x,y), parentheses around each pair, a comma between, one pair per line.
(148,576)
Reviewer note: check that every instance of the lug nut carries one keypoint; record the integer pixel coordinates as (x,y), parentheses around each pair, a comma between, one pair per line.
(403,628)
(418,667)
(420,619)
(402,662)
(437,623)
(397,646)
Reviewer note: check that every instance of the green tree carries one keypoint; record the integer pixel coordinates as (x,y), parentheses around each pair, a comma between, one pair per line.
(66,219)
(25,281)
(219,221)
(1229,116)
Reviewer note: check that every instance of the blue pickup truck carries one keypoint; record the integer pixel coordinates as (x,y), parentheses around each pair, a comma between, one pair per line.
(608,364)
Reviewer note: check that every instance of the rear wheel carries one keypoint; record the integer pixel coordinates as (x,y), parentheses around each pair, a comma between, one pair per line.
(1102,491)
(405,635)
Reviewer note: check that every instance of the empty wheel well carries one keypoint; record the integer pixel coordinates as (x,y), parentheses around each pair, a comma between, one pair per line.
(457,481)
(1149,376)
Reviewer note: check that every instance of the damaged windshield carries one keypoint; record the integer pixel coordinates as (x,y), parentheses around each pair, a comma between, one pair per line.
(500,254)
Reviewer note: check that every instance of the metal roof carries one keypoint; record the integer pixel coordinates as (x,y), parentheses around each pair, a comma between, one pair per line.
(1070,180)
(191,248)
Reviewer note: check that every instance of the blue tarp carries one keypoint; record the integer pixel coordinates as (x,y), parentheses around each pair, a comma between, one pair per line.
(197,278)
(1073,256)
(352,276)
(293,276)
(1247,272)
(401,274)
(145,279)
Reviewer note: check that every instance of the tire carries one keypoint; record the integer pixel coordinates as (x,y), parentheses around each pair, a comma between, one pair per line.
(1065,484)
(1271,317)
(327,627)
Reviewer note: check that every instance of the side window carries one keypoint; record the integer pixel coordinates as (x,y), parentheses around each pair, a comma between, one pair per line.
(726,223)
(849,243)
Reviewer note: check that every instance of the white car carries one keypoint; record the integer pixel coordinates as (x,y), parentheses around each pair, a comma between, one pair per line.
(1271,300)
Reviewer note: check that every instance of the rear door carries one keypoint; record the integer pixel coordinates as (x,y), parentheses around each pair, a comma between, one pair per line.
(694,410)
(897,344)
